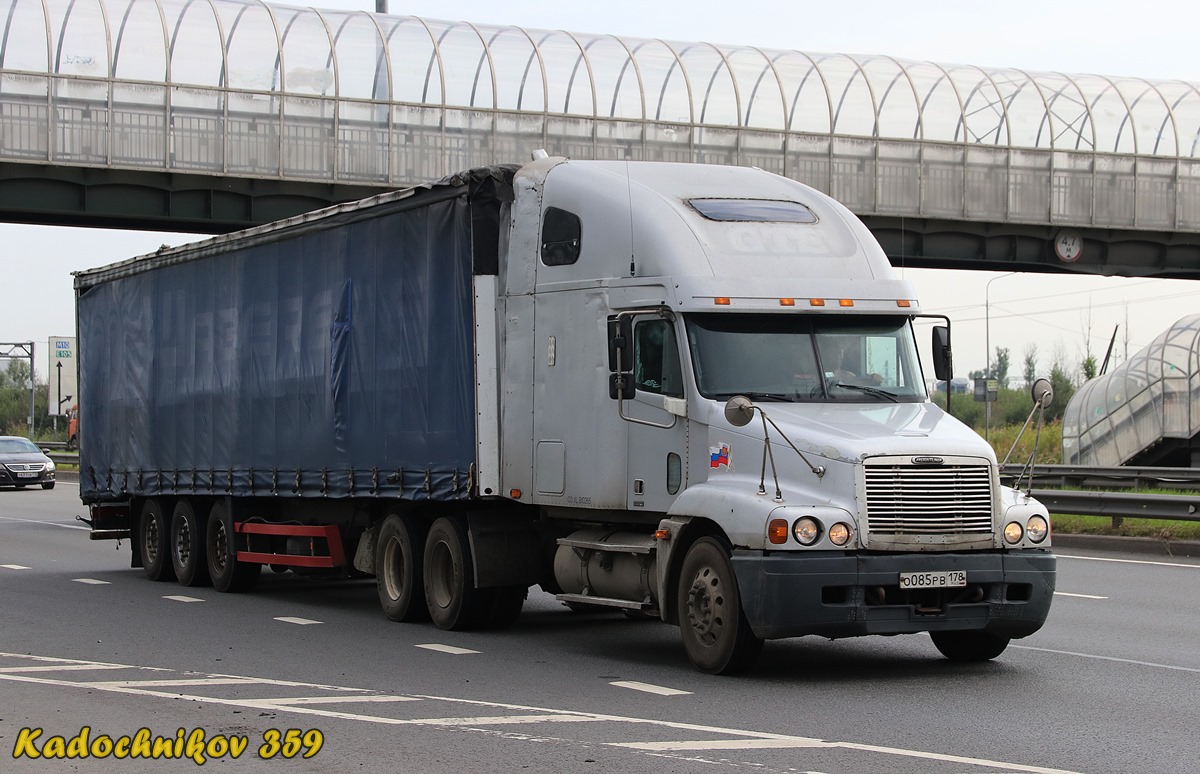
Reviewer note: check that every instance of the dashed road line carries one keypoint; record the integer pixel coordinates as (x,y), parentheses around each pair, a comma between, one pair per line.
(181,598)
(1108,658)
(513,714)
(649,688)
(298,621)
(92,582)
(1077,596)
(47,523)
(14,566)
(1129,561)
(451,649)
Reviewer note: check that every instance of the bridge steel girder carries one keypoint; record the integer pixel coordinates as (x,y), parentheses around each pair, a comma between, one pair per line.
(157,201)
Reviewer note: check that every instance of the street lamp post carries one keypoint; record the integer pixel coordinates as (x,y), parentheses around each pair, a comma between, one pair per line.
(987,343)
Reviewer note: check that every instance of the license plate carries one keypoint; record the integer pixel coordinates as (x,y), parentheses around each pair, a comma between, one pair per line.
(27,475)
(937,579)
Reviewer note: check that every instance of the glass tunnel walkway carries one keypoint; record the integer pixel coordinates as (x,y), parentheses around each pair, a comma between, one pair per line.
(237,88)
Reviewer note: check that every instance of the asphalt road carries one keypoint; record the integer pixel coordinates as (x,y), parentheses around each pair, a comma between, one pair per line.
(1107,687)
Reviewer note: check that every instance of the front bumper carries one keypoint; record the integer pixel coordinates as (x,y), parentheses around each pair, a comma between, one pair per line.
(25,475)
(789,595)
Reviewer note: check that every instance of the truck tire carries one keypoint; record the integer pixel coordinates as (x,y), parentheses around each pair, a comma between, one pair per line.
(399,573)
(450,594)
(227,573)
(969,646)
(715,631)
(188,555)
(153,536)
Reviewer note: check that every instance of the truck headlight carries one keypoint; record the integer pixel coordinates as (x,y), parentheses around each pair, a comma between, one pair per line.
(806,530)
(1013,532)
(1038,528)
(840,534)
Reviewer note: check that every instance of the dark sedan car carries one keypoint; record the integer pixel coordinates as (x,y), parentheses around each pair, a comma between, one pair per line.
(24,464)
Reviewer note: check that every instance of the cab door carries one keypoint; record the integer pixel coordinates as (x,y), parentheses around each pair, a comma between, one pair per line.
(656,417)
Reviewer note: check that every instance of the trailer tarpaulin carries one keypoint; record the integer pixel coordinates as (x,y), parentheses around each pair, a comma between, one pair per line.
(335,360)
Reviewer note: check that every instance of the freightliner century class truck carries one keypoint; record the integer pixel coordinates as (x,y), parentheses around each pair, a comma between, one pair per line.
(685,391)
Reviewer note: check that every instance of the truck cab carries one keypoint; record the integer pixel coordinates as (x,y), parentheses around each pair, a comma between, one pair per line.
(716,368)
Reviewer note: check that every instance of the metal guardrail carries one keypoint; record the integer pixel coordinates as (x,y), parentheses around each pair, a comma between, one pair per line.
(1108,478)
(1120,505)
(61,458)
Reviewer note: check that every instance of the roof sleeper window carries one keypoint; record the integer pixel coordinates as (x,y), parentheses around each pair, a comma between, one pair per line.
(560,237)
(753,210)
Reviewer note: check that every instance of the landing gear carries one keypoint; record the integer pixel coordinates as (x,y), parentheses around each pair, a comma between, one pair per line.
(715,632)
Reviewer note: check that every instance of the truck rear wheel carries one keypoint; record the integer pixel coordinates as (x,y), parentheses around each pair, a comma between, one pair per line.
(969,646)
(228,574)
(153,538)
(399,573)
(450,594)
(187,545)
(716,634)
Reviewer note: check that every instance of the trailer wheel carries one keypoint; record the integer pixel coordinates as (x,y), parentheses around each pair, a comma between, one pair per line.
(187,545)
(399,574)
(715,632)
(153,538)
(450,594)
(227,573)
(969,646)
(506,604)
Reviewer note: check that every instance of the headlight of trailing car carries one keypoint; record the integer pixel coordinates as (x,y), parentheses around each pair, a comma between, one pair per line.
(1037,528)
(50,466)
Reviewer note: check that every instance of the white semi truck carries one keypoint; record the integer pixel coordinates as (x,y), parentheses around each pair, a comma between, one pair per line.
(685,391)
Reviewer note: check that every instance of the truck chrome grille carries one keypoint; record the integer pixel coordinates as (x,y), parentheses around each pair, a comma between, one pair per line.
(934,500)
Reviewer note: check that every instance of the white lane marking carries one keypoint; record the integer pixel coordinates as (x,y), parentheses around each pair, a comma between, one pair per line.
(92,581)
(80,663)
(297,621)
(182,598)
(335,699)
(1079,596)
(650,688)
(273,704)
(452,650)
(506,720)
(1129,561)
(1108,658)
(14,566)
(181,681)
(62,668)
(50,523)
(724,744)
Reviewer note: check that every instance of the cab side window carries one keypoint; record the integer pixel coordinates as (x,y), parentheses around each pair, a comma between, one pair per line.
(561,231)
(656,359)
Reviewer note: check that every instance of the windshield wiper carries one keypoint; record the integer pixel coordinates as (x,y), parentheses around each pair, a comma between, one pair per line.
(779,396)
(869,390)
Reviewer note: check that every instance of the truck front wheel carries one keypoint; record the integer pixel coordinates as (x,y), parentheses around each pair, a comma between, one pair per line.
(450,594)
(153,538)
(187,545)
(716,635)
(227,573)
(399,575)
(969,646)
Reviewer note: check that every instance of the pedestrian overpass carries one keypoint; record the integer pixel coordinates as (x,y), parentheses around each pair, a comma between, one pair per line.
(210,115)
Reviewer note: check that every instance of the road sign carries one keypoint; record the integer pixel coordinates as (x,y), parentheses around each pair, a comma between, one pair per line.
(63,376)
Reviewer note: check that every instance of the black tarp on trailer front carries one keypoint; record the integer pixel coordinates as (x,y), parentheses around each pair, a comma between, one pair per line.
(329,355)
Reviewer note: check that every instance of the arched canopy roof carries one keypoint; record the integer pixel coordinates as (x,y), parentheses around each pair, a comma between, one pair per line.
(352,55)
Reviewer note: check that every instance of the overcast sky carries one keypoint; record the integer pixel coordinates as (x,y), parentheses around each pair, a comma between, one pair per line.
(1148,39)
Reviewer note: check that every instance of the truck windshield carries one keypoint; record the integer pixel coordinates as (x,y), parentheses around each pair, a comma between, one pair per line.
(805,358)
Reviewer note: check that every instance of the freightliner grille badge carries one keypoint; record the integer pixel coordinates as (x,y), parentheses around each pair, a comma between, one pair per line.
(927,460)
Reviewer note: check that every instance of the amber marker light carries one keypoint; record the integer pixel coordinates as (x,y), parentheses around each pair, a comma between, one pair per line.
(846,302)
(777,531)
(904,303)
(721,300)
(662,534)
(787,302)
(816,302)
(514,494)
